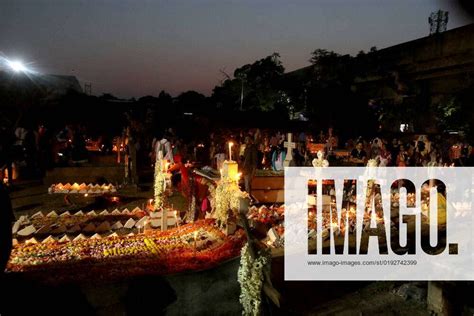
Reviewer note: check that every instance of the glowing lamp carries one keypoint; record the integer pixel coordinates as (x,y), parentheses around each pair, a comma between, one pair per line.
(17,66)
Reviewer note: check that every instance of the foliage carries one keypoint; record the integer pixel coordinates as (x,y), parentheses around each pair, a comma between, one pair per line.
(159,185)
(453,114)
(257,83)
(191,101)
(323,56)
(250,278)
(227,197)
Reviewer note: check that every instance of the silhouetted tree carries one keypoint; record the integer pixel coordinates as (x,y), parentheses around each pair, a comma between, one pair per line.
(256,86)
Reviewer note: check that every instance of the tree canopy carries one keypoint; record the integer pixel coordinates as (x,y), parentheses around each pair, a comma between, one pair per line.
(254,86)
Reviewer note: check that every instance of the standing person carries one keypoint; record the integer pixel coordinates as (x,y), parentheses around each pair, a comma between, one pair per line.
(358,155)
(250,163)
(375,147)
(242,145)
(332,140)
(130,141)
(44,150)
(402,157)
(30,146)
(126,158)
(212,151)
(383,158)
(278,157)
(6,219)
(258,141)
(164,145)
(219,157)
(394,150)
(6,155)
(79,153)
(132,147)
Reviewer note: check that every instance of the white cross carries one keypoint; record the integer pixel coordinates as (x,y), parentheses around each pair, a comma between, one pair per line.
(289,147)
(164,219)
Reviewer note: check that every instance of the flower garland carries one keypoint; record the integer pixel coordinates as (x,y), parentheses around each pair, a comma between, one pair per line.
(250,278)
(227,195)
(212,192)
(159,186)
(194,246)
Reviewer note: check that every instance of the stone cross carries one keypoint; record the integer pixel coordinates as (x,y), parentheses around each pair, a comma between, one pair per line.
(164,219)
(289,145)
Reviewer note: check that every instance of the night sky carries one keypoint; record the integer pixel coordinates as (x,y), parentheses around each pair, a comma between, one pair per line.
(135,48)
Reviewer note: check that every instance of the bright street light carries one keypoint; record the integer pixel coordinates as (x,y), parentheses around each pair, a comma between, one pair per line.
(17,66)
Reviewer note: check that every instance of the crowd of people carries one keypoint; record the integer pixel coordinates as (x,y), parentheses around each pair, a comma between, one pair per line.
(25,148)
(256,149)
(28,150)
(270,151)
(33,150)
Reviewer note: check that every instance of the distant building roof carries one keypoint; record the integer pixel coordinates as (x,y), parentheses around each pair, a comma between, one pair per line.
(54,85)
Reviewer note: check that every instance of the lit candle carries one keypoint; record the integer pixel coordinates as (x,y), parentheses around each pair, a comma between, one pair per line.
(230,150)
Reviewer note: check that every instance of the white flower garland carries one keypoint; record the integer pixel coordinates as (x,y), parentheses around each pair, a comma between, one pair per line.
(250,278)
(159,186)
(226,197)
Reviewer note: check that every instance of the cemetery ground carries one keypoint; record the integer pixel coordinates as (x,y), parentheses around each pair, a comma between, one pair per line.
(214,291)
